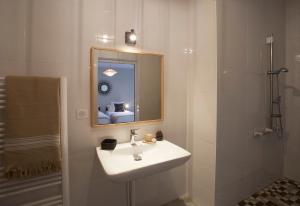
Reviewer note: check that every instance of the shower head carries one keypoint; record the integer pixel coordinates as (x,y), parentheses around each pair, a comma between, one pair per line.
(278,71)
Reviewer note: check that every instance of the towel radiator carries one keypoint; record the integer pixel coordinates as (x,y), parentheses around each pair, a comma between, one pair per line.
(48,190)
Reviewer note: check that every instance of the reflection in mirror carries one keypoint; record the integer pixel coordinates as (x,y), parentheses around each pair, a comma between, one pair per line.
(126,87)
(116,105)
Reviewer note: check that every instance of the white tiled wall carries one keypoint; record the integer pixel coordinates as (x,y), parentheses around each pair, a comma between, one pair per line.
(223,170)
(292,88)
(13,33)
(202,121)
(245,163)
(160,26)
(61,33)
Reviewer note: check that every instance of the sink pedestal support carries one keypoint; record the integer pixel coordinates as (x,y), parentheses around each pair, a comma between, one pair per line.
(130,193)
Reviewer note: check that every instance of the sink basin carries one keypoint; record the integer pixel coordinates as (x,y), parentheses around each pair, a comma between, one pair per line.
(120,166)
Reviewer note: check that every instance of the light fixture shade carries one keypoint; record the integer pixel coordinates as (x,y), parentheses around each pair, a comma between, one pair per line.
(110,72)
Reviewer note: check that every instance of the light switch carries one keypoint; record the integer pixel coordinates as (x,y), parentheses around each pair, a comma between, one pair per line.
(82,114)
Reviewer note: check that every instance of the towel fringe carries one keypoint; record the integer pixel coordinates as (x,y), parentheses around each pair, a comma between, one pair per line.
(45,168)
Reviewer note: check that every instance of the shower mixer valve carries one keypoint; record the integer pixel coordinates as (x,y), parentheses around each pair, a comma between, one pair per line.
(262,132)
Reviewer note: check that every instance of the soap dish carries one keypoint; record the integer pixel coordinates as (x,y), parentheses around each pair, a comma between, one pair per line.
(108,144)
(150,142)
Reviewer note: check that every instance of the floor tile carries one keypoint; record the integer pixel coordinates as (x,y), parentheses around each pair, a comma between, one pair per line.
(283,192)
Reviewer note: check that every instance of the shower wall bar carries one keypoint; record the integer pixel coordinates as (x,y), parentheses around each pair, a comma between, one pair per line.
(270,40)
(275,113)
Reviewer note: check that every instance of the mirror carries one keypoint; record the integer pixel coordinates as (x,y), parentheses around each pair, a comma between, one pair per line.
(125,87)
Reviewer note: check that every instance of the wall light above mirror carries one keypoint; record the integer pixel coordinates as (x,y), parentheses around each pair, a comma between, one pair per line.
(126,87)
(130,38)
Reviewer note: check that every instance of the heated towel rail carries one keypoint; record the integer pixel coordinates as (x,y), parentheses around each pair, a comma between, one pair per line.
(50,190)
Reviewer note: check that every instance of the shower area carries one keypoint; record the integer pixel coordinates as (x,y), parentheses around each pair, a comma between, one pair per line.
(258,135)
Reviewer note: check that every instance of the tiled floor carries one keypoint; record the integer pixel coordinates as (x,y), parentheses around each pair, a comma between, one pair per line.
(283,192)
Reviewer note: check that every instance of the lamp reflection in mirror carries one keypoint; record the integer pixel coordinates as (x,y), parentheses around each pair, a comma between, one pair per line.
(110,72)
(127,106)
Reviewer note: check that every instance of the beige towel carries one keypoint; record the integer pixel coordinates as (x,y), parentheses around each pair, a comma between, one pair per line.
(33,110)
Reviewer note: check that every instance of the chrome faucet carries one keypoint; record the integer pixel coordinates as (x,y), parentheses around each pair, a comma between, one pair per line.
(133,135)
(136,153)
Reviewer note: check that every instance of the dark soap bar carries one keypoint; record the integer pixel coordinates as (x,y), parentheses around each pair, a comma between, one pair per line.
(108,144)
(159,136)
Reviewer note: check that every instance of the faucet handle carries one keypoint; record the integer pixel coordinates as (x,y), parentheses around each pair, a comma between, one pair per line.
(132,131)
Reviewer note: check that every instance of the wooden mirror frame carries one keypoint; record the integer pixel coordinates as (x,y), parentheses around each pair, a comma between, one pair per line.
(94,89)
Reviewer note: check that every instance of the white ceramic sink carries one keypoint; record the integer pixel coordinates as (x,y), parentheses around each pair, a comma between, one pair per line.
(119,164)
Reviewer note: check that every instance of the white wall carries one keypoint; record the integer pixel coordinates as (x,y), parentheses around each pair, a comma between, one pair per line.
(202,110)
(13,33)
(292,88)
(61,34)
(60,47)
(148,18)
(244,163)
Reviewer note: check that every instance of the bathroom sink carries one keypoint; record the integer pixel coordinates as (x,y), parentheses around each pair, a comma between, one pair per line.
(120,165)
